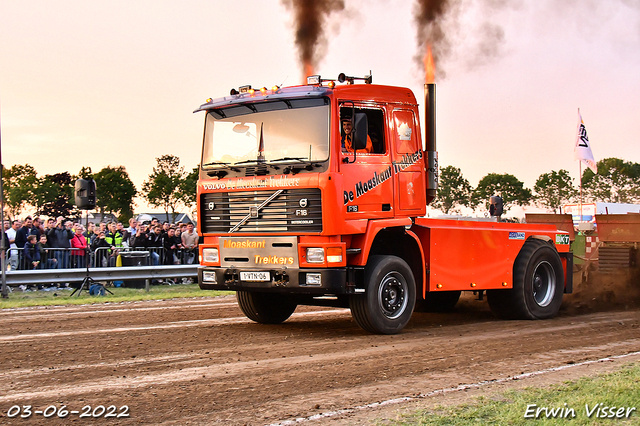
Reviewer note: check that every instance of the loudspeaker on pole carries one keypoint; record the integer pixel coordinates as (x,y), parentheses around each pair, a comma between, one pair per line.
(85,194)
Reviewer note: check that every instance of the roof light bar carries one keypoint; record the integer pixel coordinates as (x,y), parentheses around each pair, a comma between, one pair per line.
(314,79)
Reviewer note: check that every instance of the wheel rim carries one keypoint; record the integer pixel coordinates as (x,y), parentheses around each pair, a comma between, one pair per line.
(392,295)
(544,283)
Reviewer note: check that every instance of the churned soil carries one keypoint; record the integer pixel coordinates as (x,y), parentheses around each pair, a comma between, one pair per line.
(201,362)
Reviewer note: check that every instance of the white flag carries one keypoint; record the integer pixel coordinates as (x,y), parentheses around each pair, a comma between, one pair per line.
(582,149)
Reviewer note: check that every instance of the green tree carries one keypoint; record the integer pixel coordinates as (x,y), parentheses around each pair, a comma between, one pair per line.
(85,173)
(617,181)
(115,192)
(54,195)
(554,189)
(18,184)
(162,187)
(454,191)
(187,188)
(506,186)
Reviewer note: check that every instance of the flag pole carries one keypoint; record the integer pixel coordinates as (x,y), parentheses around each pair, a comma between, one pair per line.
(580,178)
(4,289)
(580,172)
(583,153)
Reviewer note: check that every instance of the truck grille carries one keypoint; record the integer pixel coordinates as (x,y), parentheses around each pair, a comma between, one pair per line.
(294,210)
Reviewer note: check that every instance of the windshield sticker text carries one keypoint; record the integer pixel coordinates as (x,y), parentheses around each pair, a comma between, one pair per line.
(271,182)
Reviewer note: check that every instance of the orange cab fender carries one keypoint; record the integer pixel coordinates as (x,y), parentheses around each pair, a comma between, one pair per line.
(364,242)
(396,240)
(419,268)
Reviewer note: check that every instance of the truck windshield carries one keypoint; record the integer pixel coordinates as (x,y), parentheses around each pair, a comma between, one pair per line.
(269,132)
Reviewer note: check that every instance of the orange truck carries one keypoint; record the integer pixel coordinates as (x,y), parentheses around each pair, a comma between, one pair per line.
(316,195)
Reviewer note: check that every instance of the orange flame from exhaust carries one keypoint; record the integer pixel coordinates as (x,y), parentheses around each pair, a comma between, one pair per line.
(307,70)
(429,66)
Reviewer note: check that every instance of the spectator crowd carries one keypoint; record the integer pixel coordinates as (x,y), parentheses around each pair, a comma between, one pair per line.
(59,244)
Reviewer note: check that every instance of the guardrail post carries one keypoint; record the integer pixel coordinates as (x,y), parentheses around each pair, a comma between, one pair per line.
(147,285)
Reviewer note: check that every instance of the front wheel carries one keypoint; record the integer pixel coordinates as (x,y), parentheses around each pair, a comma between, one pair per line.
(538,285)
(390,296)
(265,308)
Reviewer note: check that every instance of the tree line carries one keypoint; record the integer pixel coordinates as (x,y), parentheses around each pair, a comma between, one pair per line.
(617,181)
(168,187)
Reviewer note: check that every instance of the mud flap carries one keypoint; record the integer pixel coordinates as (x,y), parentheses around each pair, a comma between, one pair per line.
(355,280)
(567,262)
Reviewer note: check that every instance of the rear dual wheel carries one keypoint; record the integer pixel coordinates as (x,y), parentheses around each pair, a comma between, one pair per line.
(389,298)
(538,285)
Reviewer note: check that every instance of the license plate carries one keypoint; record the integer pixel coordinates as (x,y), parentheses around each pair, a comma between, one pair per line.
(255,276)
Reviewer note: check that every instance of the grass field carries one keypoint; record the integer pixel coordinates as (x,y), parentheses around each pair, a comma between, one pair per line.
(19,299)
(604,400)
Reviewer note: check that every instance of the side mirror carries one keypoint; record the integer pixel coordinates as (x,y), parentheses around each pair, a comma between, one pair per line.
(360,127)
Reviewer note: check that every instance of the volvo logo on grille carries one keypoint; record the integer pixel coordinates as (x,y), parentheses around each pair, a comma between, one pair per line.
(303,202)
(253,211)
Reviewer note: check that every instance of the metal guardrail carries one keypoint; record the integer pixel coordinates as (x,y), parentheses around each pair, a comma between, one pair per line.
(68,258)
(76,275)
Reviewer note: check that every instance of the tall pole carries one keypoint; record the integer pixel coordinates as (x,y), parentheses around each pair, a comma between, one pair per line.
(580,179)
(3,254)
(580,170)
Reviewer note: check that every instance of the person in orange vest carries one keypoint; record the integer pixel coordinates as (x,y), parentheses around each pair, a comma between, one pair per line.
(347,127)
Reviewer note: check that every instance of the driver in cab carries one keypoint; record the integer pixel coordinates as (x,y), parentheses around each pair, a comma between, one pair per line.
(347,134)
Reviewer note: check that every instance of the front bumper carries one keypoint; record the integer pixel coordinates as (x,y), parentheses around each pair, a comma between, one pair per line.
(291,280)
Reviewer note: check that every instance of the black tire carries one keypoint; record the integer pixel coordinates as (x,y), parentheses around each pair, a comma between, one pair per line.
(389,298)
(265,308)
(443,301)
(538,285)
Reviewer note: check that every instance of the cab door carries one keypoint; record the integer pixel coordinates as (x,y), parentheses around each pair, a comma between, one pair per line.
(368,183)
(408,164)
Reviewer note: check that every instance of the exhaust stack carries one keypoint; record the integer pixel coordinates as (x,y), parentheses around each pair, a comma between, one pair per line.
(431,161)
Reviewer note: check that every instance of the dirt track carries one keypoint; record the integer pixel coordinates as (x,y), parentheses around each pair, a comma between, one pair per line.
(193,362)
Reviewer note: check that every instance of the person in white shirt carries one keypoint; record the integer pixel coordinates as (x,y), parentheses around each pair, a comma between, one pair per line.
(190,243)
(11,234)
(129,233)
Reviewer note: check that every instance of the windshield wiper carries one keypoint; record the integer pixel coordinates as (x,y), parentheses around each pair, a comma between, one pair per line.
(220,173)
(291,168)
(302,159)
(216,163)
(248,162)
